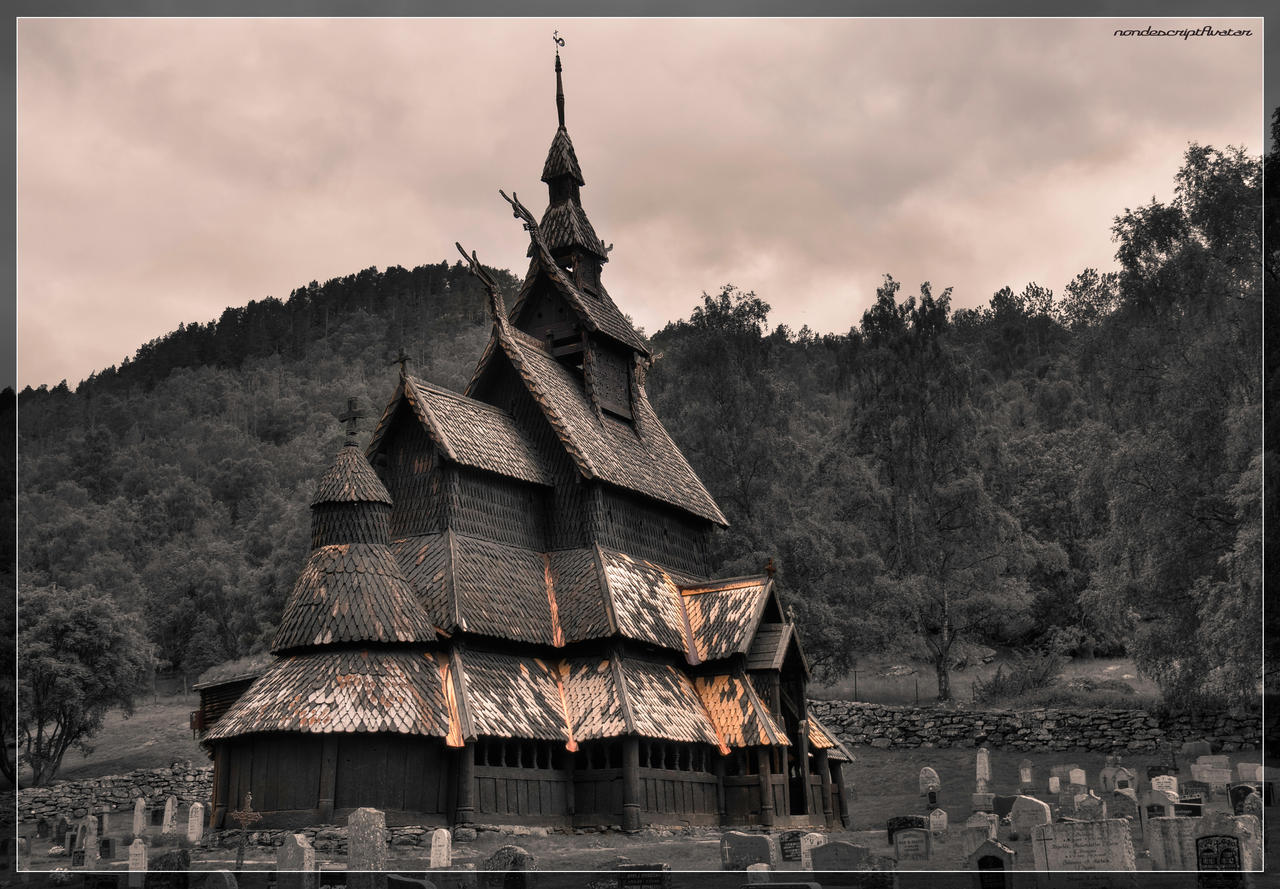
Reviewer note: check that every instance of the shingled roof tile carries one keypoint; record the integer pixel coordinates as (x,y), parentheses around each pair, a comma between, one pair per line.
(350,479)
(740,719)
(723,614)
(513,697)
(562,160)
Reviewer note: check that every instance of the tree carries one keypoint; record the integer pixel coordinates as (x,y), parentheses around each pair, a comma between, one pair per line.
(80,658)
(954,558)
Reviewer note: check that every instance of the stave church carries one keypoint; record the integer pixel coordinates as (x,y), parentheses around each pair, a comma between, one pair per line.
(508,614)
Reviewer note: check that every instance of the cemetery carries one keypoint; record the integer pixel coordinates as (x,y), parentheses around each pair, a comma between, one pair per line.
(510,661)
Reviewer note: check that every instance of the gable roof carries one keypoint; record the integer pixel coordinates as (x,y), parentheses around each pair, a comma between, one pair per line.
(723,614)
(638,456)
(822,738)
(469,432)
(740,717)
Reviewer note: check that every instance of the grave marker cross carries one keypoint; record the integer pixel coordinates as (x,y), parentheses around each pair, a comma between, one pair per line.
(244,817)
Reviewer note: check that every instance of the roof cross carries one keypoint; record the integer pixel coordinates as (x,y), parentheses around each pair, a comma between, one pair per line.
(351,416)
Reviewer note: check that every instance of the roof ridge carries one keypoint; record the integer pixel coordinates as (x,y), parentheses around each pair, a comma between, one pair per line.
(728,583)
(459,396)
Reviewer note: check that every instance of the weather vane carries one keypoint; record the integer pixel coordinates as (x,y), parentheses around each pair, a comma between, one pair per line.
(555,35)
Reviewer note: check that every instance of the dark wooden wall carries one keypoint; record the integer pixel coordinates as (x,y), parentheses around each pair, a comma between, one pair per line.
(651,531)
(411,472)
(499,509)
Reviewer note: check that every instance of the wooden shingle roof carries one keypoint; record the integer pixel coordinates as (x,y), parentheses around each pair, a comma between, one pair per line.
(469,432)
(739,716)
(640,457)
(351,592)
(723,614)
(342,691)
(513,697)
(350,479)
(822,738)
(562,160)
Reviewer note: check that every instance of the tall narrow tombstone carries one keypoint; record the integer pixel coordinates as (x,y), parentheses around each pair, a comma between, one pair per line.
(441,848)
(295,863)
(1106,775)
(929,779)
(982,769)
(909,845)
(139,816)
(1055,784)
(1083,845)
(938,821)
(90,842)
(137,863)
(195,823)
(170,824)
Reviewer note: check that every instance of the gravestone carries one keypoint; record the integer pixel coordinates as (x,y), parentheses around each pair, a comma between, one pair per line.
(1202,789)
(1106,775)
(1196,748)
(295,863)
(1090,808)
(738,849)
(1218,853)
(1189,807)
(1124,779)
(838,855)
(644,876)
(1025,775)
(139,816)
(1218,779)
(1083,845)
(972,836)
(1171,842)
(1027,814)
(62,827)
(366,840)
(510,867)
(929,778)
(1062,771)
(170,823)
(137,863)
(1248,772)
(808,843)
(1123,804)
(1167,783)
(1002,805)
(938,821)
(195,823)
(982,768)
(758,874)
(1236,794)
(994,862)
(987,821)
(441,848)
(789,845)
(1252,805)
(1156,804)
(902,822)
(1077,777)
(1244,830)
(108,848)
(911,844)
(90,842)
(982,802)
(1214,762)
(43,828)
(1055,784)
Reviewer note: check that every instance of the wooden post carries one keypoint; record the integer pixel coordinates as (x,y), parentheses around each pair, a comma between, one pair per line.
(763,756)
(824,769)
(328,778)
(570,797)
(631,783)
(841,795)
(466,777)
(720,794)
(221,786)
(802,755)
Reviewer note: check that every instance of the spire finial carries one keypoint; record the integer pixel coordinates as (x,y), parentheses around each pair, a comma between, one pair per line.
(402,359)
(350,417)
(555,35)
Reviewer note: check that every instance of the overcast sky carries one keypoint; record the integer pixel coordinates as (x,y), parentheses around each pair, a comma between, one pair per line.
(169,168)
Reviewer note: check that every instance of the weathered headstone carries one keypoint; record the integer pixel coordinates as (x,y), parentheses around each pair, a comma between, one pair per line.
(1077,777)
(510,866)
(1027,814)
(972,836)
(995,863)
(1251,805)
(1248,772)
(789,845)
(1171,842)
(985,820)
(1167,783)
(738,849)
(929,778)
(1156,804)
(441,848)
(758,874)
(1062,771)
(1218,761)
(982,802)
(1245,853)
(61,828)
(902,822)
(195,823)
(1218,779)
(1202,789)
(90,842)
(295,863)
(838,855)
(1083,845)
(1123,804)
(1026,775)
(43,828)
(137,862)
(1236,794)
(1089,807)
(1124,779)
(1055,784)
(982,769)
(938,821)
(808,843)
(170,824)
(1189,807)
(932,796)
(139,816)
(1106,779)
(909,845)
(643,876)
(366,840)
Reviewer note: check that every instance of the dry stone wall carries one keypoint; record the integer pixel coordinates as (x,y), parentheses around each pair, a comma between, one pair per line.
(117,792)
(884,726)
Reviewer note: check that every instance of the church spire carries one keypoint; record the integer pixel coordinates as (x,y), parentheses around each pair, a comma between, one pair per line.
(559,84)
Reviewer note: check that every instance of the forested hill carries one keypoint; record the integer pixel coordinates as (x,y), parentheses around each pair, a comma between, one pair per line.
(1077,471)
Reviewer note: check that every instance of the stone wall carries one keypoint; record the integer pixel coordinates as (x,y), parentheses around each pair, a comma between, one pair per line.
(117,792)
(884,726)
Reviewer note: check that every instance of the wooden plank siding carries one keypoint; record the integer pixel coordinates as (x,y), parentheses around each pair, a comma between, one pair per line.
(535,795)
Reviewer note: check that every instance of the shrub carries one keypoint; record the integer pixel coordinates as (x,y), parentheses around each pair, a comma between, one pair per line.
(1027,672)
